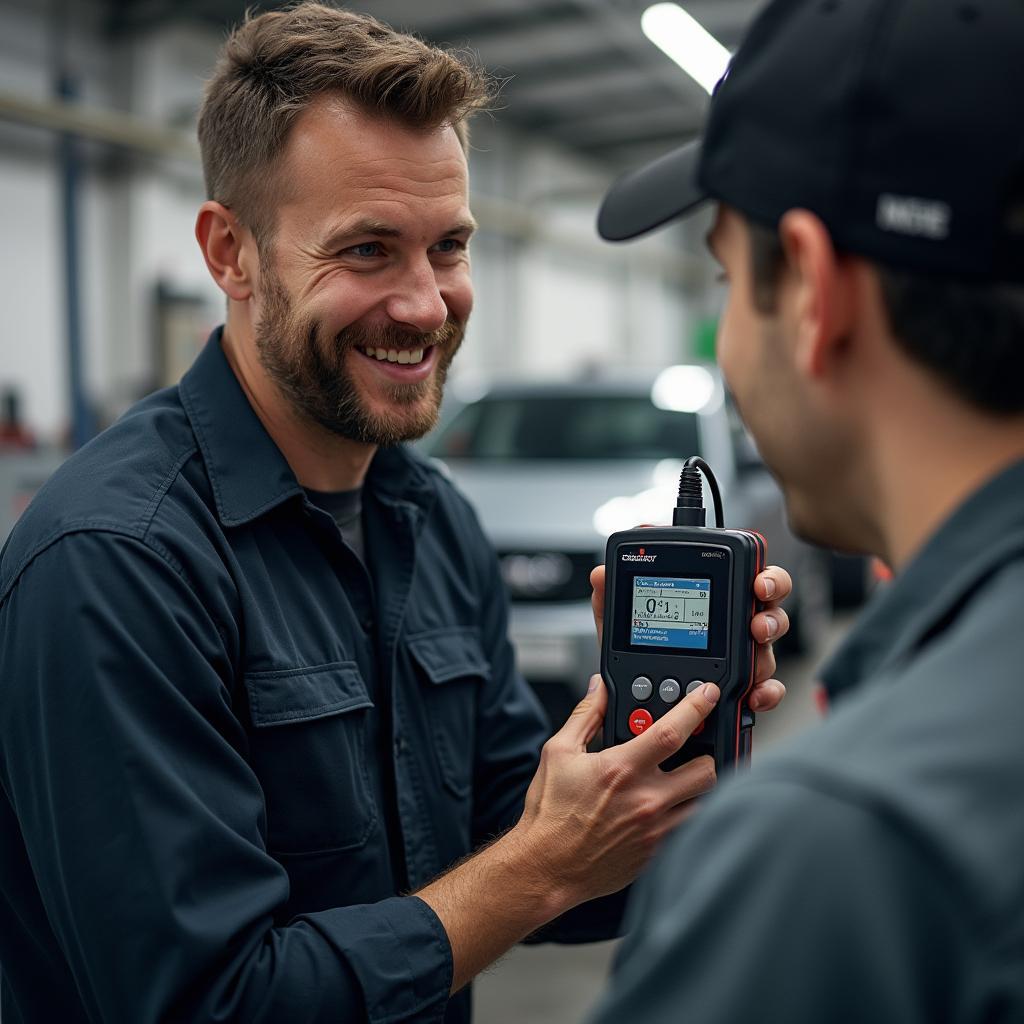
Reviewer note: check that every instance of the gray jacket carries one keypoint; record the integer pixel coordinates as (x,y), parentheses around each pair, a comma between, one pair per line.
(872,871)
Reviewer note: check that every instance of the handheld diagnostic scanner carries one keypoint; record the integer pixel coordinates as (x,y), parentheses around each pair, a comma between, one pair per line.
(678,605)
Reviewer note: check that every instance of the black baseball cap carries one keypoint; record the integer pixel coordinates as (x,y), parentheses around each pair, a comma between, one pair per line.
(899,122)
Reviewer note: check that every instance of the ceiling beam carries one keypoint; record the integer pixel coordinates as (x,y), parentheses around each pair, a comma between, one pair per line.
(101,125)
(623,32)
(551,71)
(473,29)
(627,146)
(593,86)
(627,125)
(615,106)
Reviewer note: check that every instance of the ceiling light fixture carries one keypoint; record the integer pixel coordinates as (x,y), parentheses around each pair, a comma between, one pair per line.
(687,42)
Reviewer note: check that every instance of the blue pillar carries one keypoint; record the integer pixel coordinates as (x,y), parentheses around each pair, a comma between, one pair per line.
(82,426)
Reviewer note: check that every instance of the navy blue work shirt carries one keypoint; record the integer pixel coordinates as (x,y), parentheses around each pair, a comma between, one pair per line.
(196,680)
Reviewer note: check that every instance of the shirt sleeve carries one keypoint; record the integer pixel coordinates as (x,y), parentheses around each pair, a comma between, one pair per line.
(144,823)
(781,903)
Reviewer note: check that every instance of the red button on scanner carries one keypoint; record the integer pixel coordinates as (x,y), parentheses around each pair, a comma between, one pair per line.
(640,720)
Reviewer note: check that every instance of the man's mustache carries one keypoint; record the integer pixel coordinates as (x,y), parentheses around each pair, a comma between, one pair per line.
(354,336)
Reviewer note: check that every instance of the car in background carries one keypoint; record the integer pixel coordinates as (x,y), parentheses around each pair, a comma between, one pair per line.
(553,469)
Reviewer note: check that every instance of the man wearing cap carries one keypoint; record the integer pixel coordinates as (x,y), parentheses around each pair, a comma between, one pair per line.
(868,165)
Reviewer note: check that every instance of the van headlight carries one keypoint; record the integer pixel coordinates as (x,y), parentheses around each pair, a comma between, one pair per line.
(535,575)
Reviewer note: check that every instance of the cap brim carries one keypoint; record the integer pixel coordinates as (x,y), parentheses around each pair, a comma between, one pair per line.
(652,196)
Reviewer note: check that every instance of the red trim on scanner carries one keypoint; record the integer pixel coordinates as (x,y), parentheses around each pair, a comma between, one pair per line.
(762,558)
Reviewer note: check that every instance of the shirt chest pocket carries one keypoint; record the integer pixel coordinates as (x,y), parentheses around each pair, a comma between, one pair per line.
(452,665)
(308,748)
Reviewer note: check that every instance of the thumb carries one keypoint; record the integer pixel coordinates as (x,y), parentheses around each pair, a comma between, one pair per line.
(587,716)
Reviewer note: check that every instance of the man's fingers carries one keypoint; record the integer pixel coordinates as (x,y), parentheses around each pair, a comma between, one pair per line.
(586,718)
(597,599)
(672,730)
(773,584)
(692,779)
(767,626)
(767,695)
(764,663)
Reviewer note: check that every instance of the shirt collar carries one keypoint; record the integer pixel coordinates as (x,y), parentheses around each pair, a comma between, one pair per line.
(399,477)
(985,531)
(247,471)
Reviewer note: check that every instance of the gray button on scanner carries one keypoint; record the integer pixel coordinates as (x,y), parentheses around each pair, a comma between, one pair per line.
(693,684)
(642,688)
(669,691)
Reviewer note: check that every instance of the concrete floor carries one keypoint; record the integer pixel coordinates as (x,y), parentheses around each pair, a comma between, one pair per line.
(553,984)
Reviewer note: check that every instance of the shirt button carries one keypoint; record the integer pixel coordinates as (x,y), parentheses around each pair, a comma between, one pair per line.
(400,745)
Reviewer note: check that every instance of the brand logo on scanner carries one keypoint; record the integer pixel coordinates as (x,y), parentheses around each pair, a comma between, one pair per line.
(642,557)
(712,554)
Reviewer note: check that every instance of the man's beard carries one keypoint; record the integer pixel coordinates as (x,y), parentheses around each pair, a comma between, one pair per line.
(309,368)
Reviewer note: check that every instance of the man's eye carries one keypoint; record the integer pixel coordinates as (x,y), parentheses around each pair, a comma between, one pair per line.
(366,250)
(447,246)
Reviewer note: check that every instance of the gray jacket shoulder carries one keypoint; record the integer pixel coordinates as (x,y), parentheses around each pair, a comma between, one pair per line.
(933,751)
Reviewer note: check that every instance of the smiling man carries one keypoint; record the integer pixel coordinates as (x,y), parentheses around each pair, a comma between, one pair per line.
(255,685)
(362,276)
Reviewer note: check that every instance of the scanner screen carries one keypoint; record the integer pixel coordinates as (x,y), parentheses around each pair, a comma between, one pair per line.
(671,612)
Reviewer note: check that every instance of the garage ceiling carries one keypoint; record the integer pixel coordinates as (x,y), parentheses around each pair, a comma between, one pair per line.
(580,72)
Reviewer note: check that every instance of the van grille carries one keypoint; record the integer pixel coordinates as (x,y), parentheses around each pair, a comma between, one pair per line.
(537,576)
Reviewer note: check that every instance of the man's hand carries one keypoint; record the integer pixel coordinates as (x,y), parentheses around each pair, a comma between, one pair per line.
(590,823)
(771,587)
(597,818)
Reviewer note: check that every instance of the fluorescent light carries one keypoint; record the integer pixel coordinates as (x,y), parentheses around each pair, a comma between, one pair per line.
(687,42)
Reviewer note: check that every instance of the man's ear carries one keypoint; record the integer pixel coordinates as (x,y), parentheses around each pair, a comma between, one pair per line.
(823,291)
(228,248)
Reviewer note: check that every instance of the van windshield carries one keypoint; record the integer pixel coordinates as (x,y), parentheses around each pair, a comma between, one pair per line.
(587,427)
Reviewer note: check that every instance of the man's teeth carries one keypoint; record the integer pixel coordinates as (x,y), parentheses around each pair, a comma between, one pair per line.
(396,355)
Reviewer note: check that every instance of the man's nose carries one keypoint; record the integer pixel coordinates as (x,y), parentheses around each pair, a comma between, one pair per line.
(417,301)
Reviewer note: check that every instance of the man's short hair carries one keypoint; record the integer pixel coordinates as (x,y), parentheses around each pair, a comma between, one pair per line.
(274,65)
(969,334)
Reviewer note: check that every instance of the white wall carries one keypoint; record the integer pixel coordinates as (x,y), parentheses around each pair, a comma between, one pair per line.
(31,323)
(551,298)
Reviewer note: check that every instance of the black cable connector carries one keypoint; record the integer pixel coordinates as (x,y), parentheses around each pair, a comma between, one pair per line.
(689,510)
